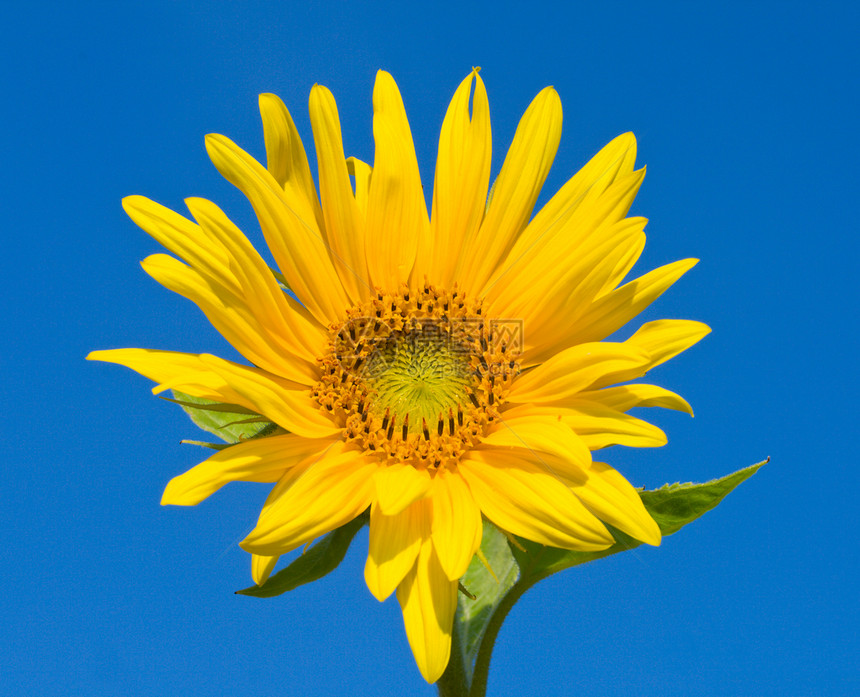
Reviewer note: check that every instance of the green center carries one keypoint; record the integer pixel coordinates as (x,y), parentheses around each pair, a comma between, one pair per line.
(424,374)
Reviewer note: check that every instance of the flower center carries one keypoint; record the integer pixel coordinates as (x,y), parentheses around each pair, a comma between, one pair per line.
(423,372)
(415,377)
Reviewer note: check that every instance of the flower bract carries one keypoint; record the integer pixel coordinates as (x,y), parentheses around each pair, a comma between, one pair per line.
(435,369)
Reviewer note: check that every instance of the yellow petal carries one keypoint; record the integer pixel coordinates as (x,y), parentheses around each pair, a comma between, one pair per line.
(428,600)
(612,499)
(604,492)
(232,318)
(344,223)
(626,397)
(286,159)
(538,431)
(614,160)
(661,340)
(575,369)
(259,460)
(608,264)
(456,526)
(209,377)
(394,544)
(462,179)
(515,191)
(288,222)
(399,485)
(294,409)
(331,490)
(600,426)
(396,210)
(362,173)
(567,249)
(595,426)
(519,494)
(612,311)
(666,338)
(182,237)
(290,324)
(565,279)
(612,205)
(547,336)
(233,270)
(623,265)
(262,567)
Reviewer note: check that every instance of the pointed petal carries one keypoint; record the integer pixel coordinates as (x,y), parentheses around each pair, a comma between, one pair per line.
(395,541)
(462,179)
(661,340)
(565,279)
(604,492)
(623,265)
(664,339)
(231,317)
(456,527)
(344,224)
(398,486)
(612,311)
(626,397)
(286,159)
(575,369)
(292,325)
(289,224)
(182,237)
(428,600)
(519,494)
(566,250)
(285,403)
(608,263)
(612,499)
(396,210)
(614,160)
(233,271)
(331,490)
(600,426)
(538,431)
(262,567)
(516,189)
(259,460)
(362,173)
(293,409)
(595,426)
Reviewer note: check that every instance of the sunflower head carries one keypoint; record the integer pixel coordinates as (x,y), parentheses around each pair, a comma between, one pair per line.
(393,374)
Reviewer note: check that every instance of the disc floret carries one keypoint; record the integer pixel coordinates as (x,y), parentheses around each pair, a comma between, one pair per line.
(415,377)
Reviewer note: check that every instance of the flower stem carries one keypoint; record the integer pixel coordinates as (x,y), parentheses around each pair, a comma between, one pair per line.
(482,662)
(454,681)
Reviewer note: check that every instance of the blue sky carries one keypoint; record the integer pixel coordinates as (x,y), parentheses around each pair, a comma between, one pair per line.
(746,118)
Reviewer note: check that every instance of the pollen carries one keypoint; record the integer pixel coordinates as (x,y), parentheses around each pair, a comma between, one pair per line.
(415,377)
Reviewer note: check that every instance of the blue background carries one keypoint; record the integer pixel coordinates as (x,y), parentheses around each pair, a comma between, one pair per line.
(746,117)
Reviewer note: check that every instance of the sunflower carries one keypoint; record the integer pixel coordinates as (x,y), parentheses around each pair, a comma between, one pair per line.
(434,370)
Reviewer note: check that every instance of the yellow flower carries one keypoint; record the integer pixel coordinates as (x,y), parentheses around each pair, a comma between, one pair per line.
(435,369)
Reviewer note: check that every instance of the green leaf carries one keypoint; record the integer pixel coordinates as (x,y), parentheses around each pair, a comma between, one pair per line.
(321,559)
(488,587)
(229,422)
(673,506)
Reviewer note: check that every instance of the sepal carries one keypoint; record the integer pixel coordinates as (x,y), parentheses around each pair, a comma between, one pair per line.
(230,422)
